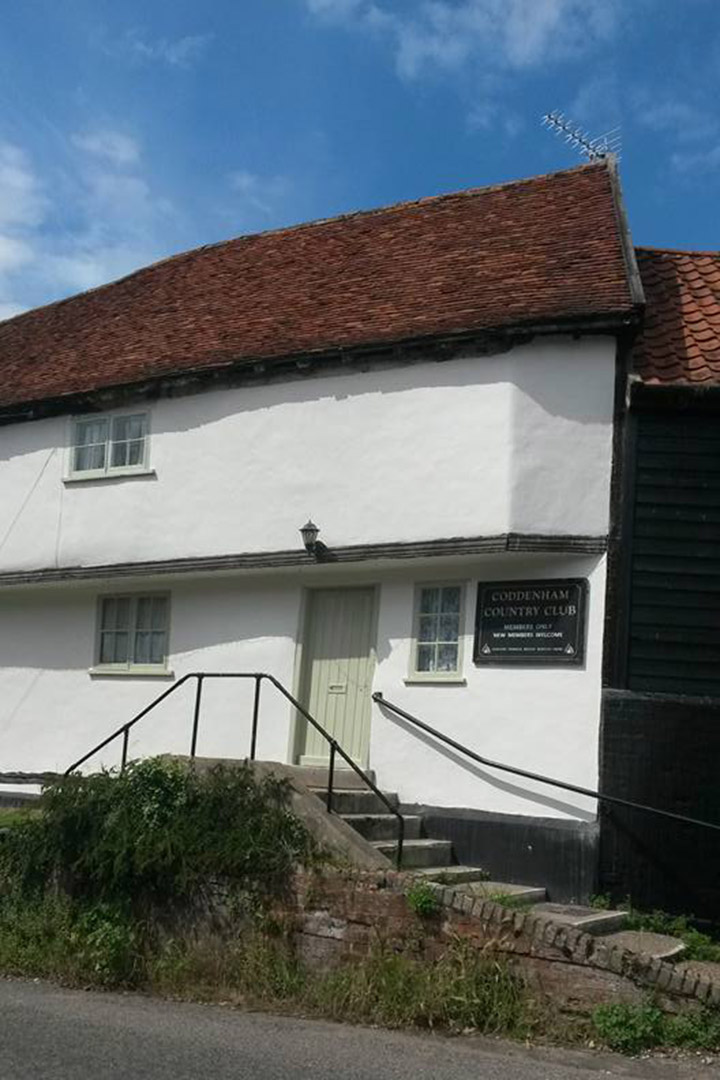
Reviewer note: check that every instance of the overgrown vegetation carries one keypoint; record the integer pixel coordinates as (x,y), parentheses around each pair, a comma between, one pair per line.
(422,899)
(157,835)
(634,1028)
(103,883)
(698,944)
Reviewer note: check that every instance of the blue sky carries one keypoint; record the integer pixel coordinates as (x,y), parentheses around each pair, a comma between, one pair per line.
(130,131)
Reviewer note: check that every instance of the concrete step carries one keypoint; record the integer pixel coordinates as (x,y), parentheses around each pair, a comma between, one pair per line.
(588,919)
(384,826)
(417,853)
(453,875)
(357,802)
(504,890)
(316,776)
(661,946)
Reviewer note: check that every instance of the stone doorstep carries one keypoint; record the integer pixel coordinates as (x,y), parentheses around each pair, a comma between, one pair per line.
(490,890)
(452,875)
(659,946)
(417,853)
(590,920)
(384,826)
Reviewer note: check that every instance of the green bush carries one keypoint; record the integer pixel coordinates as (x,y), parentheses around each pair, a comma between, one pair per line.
(694,1030)
(157,835)
(632,1028)
(422,899)
(629,1028)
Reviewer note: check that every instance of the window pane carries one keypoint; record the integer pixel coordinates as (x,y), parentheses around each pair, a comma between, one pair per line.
(451,599)
(158,647)
(118,455)
(429,601)
(126,428)
(115,613)
(135,452)
(427,630)
(448,628)
(128,440)
(426,658)
(89,457)
(114,647)
(447,657)
(142,647)
(159,613)
(144,612)
(88,432)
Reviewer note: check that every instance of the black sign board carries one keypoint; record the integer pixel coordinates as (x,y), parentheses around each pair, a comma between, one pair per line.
(531,622)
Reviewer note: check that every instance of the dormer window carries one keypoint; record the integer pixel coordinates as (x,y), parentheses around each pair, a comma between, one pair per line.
(109,446)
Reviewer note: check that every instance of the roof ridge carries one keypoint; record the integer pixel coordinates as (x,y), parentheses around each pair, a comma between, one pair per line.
(676,251)
(461,193)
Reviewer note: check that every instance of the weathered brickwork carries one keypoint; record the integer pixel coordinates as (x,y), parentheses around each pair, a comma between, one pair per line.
(348,913)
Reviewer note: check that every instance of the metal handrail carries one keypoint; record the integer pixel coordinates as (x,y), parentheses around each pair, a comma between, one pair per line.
(379,699)
(335,748)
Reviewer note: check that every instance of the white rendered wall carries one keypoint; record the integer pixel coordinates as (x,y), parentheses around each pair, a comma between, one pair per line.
(546,720)
(52,710)
(469,447)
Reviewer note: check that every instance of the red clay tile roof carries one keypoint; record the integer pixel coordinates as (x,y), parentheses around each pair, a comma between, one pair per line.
(680,339)
(528,252)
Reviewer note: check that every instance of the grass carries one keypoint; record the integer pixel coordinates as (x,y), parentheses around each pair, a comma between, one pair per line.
(11,815)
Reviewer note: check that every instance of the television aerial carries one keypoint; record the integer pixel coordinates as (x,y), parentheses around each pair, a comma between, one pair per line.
(594,149)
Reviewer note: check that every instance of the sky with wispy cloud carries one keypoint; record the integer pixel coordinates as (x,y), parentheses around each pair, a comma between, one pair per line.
(130,131)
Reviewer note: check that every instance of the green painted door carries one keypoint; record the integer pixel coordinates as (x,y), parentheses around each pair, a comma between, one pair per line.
(337,670)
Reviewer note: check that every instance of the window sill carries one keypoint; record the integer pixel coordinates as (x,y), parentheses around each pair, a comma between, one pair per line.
(435,680)
(137,672)
(103,477)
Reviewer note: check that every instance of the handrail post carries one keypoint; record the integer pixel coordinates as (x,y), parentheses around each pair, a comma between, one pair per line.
(196,716)
(400,841)
(331,776)
(256,714)
(126,739)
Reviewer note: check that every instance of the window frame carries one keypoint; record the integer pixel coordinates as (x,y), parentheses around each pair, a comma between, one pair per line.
(109,471)
(130,667)
(457,676)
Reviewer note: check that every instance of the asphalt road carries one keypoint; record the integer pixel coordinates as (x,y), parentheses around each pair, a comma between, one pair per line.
(47,1033)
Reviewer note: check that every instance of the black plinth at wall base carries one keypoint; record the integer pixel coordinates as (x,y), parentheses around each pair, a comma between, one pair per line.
(661,750)
(558,854)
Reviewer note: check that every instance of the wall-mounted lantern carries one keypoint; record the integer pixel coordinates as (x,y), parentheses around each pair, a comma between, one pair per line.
(309,533)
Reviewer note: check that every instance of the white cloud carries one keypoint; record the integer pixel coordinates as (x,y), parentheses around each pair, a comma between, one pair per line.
(180,52)
(8,309)
(259,193)
(513,34)
(103,221)
(481,43)
(701,161)
(115,147)
(22,202)
(339,9)
(678,118)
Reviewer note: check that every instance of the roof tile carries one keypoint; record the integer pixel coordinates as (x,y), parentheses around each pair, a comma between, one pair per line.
(532,251)
(682,317)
